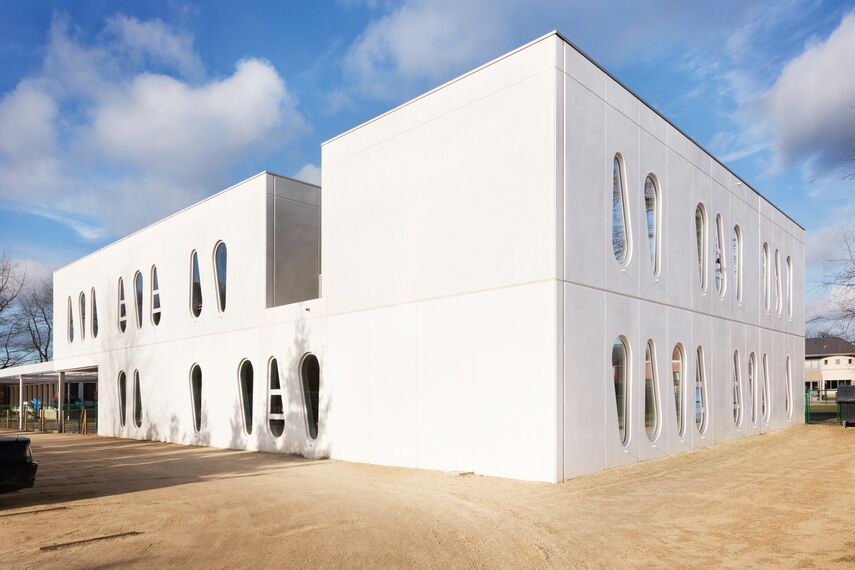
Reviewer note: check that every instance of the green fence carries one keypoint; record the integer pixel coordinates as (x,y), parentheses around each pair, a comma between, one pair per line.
(75,418)
(821,407)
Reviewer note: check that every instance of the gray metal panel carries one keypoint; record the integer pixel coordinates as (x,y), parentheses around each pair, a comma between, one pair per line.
(293,237)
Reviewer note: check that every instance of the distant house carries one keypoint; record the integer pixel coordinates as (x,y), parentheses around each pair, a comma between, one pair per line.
(829,363)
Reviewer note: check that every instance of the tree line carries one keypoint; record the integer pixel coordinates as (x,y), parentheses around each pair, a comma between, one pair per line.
(26,315)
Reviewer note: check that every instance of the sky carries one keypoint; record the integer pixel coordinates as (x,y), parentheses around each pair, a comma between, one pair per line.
(116,113)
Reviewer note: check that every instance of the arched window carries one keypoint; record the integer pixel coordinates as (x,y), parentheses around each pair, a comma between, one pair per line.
(94,314)
(737,391)
(700,392)
(220,259)
(701,241)
(677,367)
(621,237)
(651,392)
(123,397)
(720,267)
(310,374)
(155,297)
(138,297)
(779,304)
(789,288)
(70,331)
(137,400)
(123,309)
(737,262)
(275,409)
(765,408)
(788,389)
(752,374)
(246,393)
(651,210)
(195,286)
(620,378)
(81,300)
(765,278)
(196,395)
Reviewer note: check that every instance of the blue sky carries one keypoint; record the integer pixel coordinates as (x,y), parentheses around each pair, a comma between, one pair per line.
(113,114)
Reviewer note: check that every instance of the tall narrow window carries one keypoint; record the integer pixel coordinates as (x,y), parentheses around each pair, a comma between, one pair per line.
(138,297)
(310,374)
(619,373)
(70,330)
(651,210)
(123,307)
(651,393)
(700,392)
(94,314)
(123,397)
(677,367)
(737,391)
(764,276)
(196,395)
(220,259)
(155,297)
(137,400)
(765,408)
(275,410)
(720,267)
(621,240)
(789,288)
(246,393)
(195,286)
(701,241)
(737,262)
(788,389)
(82,302)
(752,374)
(779,304)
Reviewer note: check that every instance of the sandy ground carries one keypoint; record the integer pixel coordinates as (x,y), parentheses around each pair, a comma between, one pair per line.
(780,500)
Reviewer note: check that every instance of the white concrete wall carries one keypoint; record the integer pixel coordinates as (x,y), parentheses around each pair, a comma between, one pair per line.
(164,354)
(439,251)
(603,300)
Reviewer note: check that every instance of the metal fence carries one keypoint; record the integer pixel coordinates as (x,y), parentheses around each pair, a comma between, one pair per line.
(71,418)
(821,407)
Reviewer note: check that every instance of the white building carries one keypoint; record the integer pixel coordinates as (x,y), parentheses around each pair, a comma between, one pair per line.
(508,282)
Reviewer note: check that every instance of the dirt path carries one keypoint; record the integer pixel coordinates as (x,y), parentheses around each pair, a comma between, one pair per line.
(780,500)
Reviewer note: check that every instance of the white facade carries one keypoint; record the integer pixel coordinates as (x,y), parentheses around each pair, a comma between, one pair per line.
(469,297)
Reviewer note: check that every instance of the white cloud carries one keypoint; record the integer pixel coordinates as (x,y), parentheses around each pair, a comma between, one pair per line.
(100,143)
(310,173)
(811,106)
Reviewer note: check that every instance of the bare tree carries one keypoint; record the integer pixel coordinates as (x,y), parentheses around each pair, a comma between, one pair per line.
(12,281)
(839,284)
(36,318)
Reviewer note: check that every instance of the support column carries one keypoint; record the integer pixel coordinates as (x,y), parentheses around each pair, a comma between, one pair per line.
(20,403)
(59,401)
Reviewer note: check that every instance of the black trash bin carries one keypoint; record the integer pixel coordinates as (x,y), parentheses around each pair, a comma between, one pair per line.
(17,468)
(846,401)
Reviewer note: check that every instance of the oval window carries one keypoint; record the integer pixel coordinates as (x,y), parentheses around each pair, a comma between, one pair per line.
(677,367)
(720,261)
(651,211)
(82,303)
(752,374)
(246,393)
(736,391)
(94,314)
(788,389)
(701,242)
(155,297)
(196,396)
(737,262)
(275,409)
(123,307)
(70,330)
(220,259)
(651,396)
(700,392)
(620,223)
(765,408)
(137,400)
(620,380)
(123,397)
(310,374)
(138,297)
(195,286)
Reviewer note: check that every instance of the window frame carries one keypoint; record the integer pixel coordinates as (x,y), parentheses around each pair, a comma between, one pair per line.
(195,270)
(779,292)
(767,278)
(93,317)
(138,410)
(679,391)
(122,389)
(271,392)
(701,397)
(619,166)
(752,386)
(306,403)
(139,295)
(789,285)
(788,388)
(737,262)
(655,254)
(623,407)
(721,260)
(196,416)
(738,406)
(766,404)
(69,328)
(81,307)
